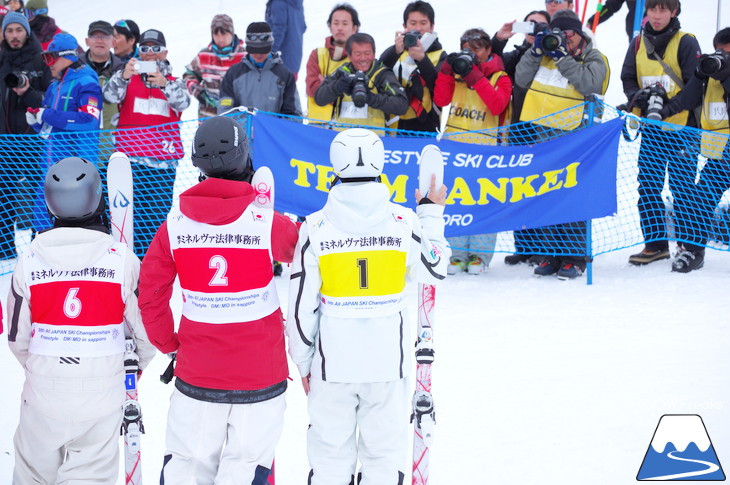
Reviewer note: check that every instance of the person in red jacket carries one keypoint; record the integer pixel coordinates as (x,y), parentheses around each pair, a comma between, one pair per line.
(474,82)
(151,101)
(227,409)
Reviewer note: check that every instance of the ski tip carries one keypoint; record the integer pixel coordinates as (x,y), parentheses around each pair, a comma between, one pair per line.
(432,151)
(118,155)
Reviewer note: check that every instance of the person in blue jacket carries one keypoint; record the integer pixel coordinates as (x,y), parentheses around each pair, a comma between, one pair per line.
(72,104)
(286,18)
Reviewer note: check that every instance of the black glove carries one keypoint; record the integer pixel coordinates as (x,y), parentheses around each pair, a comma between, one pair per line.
(450,60)
(641,100)
(371,98)
(699,74)
(343,84)
(722,74)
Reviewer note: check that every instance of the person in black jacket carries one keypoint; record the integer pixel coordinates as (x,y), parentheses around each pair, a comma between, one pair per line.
(260,80)
(416,65)
(365,92)
(663,60)
(24,79)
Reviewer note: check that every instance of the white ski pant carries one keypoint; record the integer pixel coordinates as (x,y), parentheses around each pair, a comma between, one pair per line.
(221,444)
(338,412)
(54,451)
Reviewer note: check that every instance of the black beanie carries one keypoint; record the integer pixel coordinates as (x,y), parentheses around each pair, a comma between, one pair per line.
(259,39)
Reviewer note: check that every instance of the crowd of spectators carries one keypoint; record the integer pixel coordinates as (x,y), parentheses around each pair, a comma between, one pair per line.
(406,86)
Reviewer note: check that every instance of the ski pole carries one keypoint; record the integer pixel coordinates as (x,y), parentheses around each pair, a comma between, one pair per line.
(585,9)
(599,7)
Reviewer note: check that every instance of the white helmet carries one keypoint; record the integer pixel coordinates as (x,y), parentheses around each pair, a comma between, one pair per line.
(357,154)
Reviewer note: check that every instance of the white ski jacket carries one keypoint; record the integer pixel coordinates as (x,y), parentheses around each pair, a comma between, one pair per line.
(69,385)
(348,320)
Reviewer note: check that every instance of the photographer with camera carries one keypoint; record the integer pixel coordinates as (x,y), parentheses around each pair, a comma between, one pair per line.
(694,207)
(24,78)
(666,56)
(562,71)
(363,91)
(148,96)
(473,81)
(416,58)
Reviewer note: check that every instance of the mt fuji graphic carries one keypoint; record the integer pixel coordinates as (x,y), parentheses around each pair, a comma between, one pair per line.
(681,450)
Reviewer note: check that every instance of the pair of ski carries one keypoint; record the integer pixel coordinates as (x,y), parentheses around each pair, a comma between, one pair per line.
(121,202)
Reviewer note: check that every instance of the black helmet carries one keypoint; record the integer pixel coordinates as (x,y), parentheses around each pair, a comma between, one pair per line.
(73,190)
(220,149)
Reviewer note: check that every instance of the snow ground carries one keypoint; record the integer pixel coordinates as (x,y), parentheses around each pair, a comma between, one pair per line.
(536,381)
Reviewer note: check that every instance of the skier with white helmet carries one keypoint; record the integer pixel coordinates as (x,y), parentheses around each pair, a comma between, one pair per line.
(227,409)
(73,300)
(348,324)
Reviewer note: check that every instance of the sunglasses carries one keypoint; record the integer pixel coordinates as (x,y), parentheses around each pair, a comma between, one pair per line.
(32,12)
(50,58)
(145,49)
(260,37)
(554,1)
(123,24)
(569,34)
(222,51)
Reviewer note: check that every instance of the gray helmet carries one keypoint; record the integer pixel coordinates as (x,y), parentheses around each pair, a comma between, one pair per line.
(220,149)
(73,190)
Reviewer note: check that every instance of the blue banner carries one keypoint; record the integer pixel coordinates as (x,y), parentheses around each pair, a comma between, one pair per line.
(491,188)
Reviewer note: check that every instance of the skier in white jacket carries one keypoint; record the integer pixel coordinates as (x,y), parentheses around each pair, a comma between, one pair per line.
(71,303)
(348,324)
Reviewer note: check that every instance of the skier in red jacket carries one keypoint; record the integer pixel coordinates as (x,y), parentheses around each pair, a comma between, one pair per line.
(227,409)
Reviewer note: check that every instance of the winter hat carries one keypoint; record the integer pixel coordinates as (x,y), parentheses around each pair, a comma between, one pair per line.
(259,39)
(154,36)
(127,28)
(16,18)
(65,44)
(39,7)
(101,26)
(567,20)
(222,21)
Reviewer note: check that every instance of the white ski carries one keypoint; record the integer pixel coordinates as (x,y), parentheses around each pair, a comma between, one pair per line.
(121,199)
(121,210)
(263,185)
(424,417)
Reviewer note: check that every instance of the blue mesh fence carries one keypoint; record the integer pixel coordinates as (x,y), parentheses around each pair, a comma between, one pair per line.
(671,182)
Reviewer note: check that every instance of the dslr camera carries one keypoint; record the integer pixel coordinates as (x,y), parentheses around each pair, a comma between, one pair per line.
(359,89)
(16,79)
(656,102)
(410,39)
(462,62)
(710,64)
(552,40)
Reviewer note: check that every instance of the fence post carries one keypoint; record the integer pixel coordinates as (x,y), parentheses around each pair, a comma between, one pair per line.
(591,110)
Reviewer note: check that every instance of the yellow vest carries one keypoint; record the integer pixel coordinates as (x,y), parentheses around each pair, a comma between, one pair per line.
(426,101)
(650,72)
(551,92)
(714,119)
(326,67)
(468,112)
(347,112)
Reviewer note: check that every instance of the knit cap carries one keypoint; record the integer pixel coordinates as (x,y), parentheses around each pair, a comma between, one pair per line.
(222,21)
(40,6)
(259,39)
(16,18)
